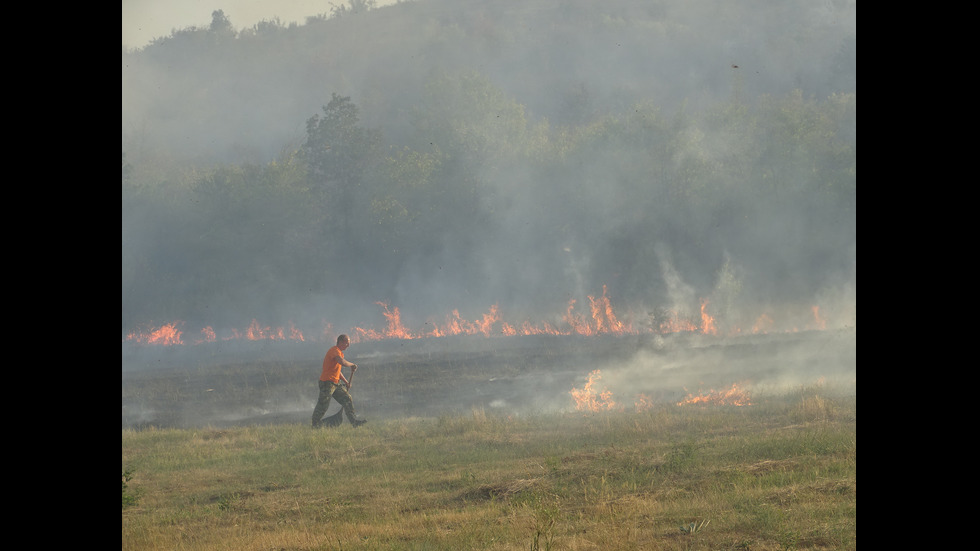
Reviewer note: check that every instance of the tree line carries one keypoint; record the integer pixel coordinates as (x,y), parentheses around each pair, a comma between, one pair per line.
(484,196)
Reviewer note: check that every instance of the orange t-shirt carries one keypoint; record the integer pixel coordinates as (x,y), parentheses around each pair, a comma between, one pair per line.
(332,365)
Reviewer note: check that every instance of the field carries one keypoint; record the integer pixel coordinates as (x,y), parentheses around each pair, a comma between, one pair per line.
(481,444)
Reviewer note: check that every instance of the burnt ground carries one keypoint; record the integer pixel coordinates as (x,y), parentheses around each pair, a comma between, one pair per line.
(222,384)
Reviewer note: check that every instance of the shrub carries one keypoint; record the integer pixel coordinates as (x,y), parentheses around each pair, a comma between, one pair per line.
(129,498)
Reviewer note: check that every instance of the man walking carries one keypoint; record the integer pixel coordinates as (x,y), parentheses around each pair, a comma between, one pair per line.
(331,387)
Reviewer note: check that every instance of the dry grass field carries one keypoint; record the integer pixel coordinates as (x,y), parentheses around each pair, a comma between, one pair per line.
(481,444)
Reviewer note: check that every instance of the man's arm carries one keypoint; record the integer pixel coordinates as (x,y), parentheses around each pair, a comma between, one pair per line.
(353,368)
(344,363)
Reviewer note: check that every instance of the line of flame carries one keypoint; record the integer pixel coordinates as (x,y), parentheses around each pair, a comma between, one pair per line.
(603,320)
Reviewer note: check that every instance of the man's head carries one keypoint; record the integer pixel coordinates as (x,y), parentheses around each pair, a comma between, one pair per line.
(343,342)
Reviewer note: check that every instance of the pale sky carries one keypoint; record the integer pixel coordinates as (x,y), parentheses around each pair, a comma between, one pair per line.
(144,20)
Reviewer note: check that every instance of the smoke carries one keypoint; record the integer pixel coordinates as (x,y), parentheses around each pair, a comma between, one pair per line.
(513,376)
(668,371)
(651,96)
(680,296)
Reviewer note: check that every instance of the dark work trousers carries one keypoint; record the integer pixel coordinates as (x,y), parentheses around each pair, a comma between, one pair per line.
(329,390)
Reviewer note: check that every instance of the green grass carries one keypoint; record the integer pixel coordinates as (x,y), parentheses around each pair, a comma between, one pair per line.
(779,474)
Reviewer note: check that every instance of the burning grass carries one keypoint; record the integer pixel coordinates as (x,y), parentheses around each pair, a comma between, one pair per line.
(779,474)
(232,385)
(600,319)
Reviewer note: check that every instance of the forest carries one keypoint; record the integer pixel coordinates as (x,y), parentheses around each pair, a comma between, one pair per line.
(441,156)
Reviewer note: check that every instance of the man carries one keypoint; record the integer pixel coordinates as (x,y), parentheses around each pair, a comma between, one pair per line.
(330,384)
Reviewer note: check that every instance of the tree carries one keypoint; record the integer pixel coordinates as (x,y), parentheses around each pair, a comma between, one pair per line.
(220,24)
(356,6)
(470,118)
(339,153)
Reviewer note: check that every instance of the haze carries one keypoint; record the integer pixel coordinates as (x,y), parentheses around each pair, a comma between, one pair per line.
(145,20)
(675,156)
(680,171)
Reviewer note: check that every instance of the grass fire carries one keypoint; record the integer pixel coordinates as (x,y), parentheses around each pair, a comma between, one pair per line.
(594,264)
(601,320)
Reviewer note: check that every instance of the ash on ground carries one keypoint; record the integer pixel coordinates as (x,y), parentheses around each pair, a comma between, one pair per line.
(222,384)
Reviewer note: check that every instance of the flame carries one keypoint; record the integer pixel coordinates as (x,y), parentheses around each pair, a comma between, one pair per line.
(209,335)
(615,325)
(256,332)
(395,328)
(576,321)
(587,399)
(600,319)
(734,396)
(527,328)
(167,334)
(642,402)
(674,324)
(821,324)
(458,326)
(763,324)
(707,322)
(603,320)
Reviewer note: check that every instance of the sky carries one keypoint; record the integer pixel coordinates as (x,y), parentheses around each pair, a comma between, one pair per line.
(144,20)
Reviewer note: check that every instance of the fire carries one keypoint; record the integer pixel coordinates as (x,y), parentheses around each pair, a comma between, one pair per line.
(603,320)
(763,324)
(256,332)
(674,324)
(209,335)
(395,328)
(642,402)
(615,325)
(604,317)
(600,319)
(458,326)
(168,334)
(821,324)
(527,328)
(734,396)
(707,322)
(576,321)
(455,325)
(587,399)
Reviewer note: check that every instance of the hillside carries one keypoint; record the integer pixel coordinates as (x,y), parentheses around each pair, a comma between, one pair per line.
(533,163)
(244,95)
